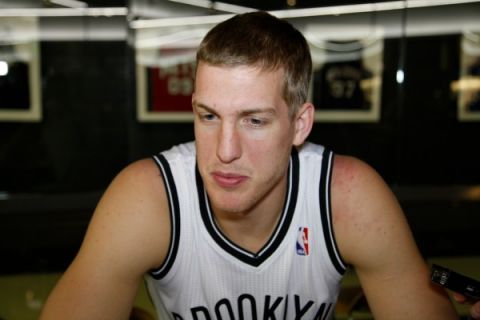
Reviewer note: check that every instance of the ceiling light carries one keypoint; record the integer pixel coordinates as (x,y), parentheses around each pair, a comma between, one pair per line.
(294,13)
(367,7)
(63,12)
(3,68)
(216,5)
(400,76)
(69,3)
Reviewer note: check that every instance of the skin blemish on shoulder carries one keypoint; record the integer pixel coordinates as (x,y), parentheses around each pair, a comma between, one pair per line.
(349,197)
(343,180)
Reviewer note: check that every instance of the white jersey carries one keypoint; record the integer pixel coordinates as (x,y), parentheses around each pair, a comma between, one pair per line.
(296,275)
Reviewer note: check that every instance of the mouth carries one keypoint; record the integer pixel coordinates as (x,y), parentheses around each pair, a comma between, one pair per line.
(228,180)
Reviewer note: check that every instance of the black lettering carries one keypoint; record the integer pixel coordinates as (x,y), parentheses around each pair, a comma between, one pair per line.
(247,309)
(253,307)
(269,312)
(286,308)
(327,311)
(228,306)
(195,311)
(300,311)
(319,315)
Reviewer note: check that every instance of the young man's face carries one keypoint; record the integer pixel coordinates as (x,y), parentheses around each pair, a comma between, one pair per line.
(244,135)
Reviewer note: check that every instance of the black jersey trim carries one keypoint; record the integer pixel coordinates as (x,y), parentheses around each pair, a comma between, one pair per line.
(174,207)
(326,211)
(254,259)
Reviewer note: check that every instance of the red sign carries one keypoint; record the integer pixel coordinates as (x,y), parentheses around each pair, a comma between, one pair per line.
(171,88)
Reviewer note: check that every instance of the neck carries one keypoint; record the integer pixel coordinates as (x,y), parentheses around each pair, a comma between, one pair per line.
(253,228)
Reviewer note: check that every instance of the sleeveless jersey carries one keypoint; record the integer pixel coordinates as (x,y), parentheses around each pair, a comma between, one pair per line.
(296,275)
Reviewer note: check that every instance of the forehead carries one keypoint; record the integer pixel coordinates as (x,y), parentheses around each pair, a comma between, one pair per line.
(250,86)
(242,73)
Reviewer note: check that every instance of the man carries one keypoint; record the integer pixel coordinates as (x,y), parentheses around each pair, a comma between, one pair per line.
(250,221)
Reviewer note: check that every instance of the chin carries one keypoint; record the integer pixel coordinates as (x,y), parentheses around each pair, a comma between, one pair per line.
(226,204)
(229,203)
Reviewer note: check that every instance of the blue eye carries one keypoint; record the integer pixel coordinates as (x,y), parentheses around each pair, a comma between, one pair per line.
(207,116)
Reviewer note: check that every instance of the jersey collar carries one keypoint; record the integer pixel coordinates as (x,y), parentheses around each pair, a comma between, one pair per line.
(254,259)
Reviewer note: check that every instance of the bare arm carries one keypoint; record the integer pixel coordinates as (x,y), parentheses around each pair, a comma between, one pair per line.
(374,237)
(128,235)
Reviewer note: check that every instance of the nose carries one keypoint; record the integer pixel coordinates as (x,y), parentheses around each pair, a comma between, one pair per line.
(229,146)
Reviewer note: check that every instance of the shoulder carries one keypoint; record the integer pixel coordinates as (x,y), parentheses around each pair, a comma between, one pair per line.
(126,237)
(138,186)
(139,176)
(373,236)
(358,185)
(364,209)
(349,169)
(133,215)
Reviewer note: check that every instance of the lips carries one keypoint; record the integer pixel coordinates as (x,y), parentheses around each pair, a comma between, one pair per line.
(228,180)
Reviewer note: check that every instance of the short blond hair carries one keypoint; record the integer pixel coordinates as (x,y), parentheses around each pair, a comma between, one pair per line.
(260,39)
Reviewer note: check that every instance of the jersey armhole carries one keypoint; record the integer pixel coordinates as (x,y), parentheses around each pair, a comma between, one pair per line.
(174,208)
(326,211)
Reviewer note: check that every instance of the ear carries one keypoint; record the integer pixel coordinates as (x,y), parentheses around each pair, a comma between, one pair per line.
(303,123)
(193,97)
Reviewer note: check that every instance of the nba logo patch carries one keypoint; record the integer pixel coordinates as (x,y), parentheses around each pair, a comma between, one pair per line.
(303,246)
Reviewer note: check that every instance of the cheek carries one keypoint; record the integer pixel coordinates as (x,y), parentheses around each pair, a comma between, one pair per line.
(203,148)
(269,156)
(271,145)
(204,141)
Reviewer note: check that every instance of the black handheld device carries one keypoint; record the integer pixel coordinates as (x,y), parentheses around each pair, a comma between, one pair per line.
(456,282)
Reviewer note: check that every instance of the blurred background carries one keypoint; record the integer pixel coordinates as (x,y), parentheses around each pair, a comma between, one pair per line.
(87,87)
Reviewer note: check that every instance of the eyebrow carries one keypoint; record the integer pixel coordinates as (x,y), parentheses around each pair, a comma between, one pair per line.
(246,112)
(196,104)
